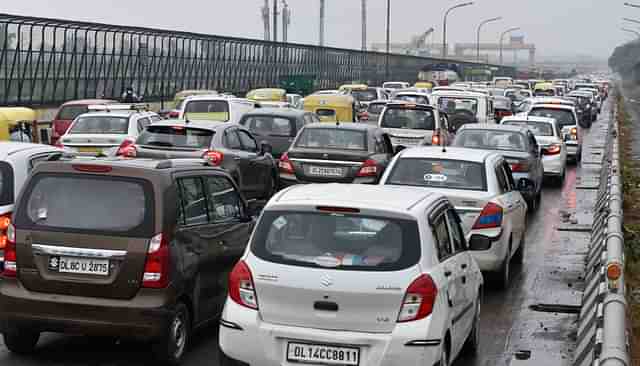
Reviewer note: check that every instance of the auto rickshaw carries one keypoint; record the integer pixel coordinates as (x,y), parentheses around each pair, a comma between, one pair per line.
(333,108)
(267,95)
(18,124)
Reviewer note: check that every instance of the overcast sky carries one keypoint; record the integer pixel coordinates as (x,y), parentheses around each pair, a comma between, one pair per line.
(556,27)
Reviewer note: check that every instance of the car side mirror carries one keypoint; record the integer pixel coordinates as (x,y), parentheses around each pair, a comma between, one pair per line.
(526,185)
(479,243)
(265,148)
(399,148)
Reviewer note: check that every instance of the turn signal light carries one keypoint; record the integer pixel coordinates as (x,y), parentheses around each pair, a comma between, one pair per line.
(419,299)
(490,217)
(156,267)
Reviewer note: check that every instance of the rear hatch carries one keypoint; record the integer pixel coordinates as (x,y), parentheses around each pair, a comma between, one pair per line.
(84,234)
(173,142)
(333,271)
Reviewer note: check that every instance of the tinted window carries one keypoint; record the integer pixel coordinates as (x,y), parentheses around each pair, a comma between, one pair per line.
(405,118)
(176,136)
(269,126)
(443,242)
(223,201)
(453,174)
(100,125)
(248,143)
(343,242)
(491,140)
(376,108)
(451,105)
(214,110)
(70,202)
(537,128)
(6,184)
(364,95)
(70,112)
(231,140)
(332,138)
(194,204)
(563,116)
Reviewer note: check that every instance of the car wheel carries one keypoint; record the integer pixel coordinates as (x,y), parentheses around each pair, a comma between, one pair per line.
(505,272)
(472,345)
(444,354)
(171,350)
(518,258)
(21,341)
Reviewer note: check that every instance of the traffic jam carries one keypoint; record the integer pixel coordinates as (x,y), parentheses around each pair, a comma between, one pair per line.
(357,226)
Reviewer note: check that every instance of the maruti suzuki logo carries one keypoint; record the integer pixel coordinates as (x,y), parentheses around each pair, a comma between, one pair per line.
(326,281)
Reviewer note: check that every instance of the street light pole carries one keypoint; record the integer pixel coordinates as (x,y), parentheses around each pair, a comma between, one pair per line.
(502,39)
(445,50)
(631,31)
(478,40)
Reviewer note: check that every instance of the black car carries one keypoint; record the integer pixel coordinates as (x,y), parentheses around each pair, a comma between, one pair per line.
(226,145)
(278,126)
(336,152)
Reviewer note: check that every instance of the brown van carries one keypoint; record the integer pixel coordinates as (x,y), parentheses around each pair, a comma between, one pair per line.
(126,248)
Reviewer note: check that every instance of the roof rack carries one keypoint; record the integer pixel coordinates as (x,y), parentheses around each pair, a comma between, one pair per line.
(176,163)
(134,107)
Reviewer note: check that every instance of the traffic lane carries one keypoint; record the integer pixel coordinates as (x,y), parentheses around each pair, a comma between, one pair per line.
(500,311)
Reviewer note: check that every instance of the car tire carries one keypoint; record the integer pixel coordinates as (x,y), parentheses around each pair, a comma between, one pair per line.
(172,348)
(505,271)
(444,355)
(21,341)
(518,257)
(472,345)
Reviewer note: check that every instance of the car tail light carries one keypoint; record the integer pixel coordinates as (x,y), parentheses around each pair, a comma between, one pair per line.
(552,150)
(490,217)
(214,157)
(241,288)
(174,114)
(92,168)
(5,221)
(519,166)
(364,116)
(156,267)
(368,169)
(435,139)
(285,164)
(574,131)
(59,144)
(418,300)
(127,148)
(10,253)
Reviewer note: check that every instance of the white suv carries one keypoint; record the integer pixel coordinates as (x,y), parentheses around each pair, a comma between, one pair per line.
(347,274)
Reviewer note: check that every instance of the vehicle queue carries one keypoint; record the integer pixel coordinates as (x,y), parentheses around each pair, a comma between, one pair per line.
(310,231)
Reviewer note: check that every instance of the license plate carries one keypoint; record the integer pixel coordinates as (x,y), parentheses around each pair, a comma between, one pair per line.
(94,150)
(410,142)
(326,355)
(98,267)
(321,171)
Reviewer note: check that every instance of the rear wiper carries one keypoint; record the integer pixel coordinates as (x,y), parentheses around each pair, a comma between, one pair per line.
(160,143)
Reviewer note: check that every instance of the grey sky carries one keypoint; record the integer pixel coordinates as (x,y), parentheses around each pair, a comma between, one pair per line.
(557,27)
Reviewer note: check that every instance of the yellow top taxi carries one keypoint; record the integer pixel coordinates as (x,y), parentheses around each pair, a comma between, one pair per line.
(267,95)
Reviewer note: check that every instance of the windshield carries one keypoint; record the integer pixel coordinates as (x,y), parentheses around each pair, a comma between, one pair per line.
(337,241)
(332,138)
(537,128)
(100,125)
(491,140)
(367,95)
(438,173)
(70,112)
(269,126)
(212,110)
(452,105)
(70,202)
(376,108)
(412,98)
(563,116)
(410,119)
(176,136)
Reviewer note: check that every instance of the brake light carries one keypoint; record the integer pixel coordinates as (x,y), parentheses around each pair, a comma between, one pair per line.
(552,150)
(10,253)
(490,217)
(5,221)
(214,157)
(519,166)
(241,288)
(127,148)
(368,169)
(92,168)
(174,114)
(364,116)
(285,164)
(156,267)
(418,300)
(435,139)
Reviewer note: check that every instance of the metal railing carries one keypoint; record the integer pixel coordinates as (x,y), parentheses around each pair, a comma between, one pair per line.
(602,332)
(48,61)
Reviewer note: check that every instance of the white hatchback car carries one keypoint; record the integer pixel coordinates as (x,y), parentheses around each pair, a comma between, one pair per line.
(549,138)
(480,185)
(364,275)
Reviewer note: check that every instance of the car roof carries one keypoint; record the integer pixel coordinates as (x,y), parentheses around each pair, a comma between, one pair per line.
(488,127)
(375,197)
(343,126)
(116,113)
(285,112)
(450,153)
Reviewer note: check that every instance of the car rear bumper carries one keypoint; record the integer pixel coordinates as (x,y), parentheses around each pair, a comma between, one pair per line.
(573,148)
(245,337)
(553,165)
(145,317)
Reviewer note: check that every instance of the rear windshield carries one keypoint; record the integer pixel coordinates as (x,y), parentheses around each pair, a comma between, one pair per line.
(367,95)
(176,136)
(213,110)
(100,125)
(337,241)
(6,184)
(269,125)
(453,105)
(332,138)
(88,204)
(491,140)
(438,173)
(537,128)
(70,112)
(417,99)
(563,116)
(502,104)
(410,119)
(376,108)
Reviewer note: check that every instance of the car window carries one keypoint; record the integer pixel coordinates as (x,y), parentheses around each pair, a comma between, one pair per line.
(70,112)
(193,201)
(247,141)
(332,138)
(231,139)
(176,136)
(37,159)
(381,147)
(212,110)
(443,241)
(563,116)
(509,177)
(533,144)
(269,126)
(156,118)
(407,118)
(457,235)
(142,123)
(89,124)
(491,140)
(503,186)
(223,201)
(438,173)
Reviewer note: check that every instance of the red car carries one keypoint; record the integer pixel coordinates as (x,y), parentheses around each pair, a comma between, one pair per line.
(68,112)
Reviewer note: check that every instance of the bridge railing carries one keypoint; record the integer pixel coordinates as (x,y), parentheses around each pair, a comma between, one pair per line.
(48,61)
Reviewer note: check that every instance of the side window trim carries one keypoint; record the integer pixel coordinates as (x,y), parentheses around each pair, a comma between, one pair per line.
(451,214)
(442,219)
